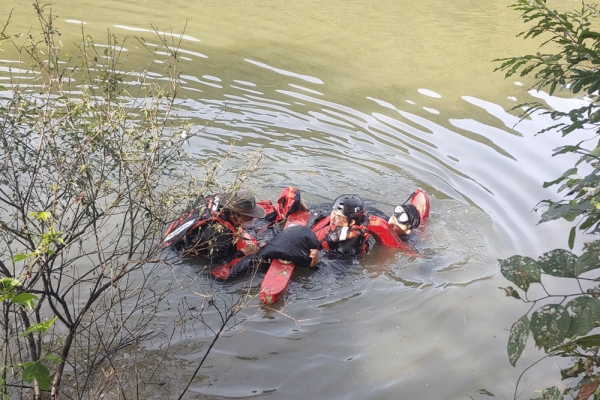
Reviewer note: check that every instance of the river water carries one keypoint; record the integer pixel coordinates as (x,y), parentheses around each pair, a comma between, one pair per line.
(369,97)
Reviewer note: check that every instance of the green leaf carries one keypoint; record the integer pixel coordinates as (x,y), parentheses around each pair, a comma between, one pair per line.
(568,173)
(515,294)
(519,332)
(589,259)
(558,262)
(52,357)
(42,215)
(587,34)
(39,372)
(572,235)
(41,327)
(8,284)
(522,271)
(555,211)
(590,220)
(585,314)
(20,257)
(573,371)
(27,300)
(550,325)
(511,292)
(587,342)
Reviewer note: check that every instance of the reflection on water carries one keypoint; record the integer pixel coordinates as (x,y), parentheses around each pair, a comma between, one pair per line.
(352,113)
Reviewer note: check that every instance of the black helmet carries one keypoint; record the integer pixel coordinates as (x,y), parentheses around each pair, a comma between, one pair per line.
(351,205)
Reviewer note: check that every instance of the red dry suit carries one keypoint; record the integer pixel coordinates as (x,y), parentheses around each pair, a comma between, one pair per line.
(209,232)
(288,202)
(351,240)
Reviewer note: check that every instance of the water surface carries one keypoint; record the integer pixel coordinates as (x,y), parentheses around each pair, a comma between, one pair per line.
(368,97)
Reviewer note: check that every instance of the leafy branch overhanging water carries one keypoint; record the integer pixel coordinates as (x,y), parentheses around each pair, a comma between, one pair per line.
(93,163)
(563,325)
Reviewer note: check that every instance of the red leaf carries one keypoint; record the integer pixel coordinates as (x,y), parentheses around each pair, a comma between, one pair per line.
(587,390)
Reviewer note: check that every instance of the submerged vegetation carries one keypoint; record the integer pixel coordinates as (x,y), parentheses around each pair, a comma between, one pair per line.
(92,166)
(563,325)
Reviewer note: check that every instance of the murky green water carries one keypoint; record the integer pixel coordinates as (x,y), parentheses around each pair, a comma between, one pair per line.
(373,97)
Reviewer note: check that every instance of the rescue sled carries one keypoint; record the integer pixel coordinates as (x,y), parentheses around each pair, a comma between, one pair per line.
(279,275)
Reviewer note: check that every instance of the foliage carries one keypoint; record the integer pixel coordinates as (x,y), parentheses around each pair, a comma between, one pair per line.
(553,324)
(560,324)
(92,166)
(563,325)
(9,292)
(574,68)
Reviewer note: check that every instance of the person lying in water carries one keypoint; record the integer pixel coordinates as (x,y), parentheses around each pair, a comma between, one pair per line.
(215,229)
(404,219)
(233,226)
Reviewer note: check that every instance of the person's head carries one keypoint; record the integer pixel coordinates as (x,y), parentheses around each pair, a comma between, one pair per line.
(405,218)
(348,209)
(242,206)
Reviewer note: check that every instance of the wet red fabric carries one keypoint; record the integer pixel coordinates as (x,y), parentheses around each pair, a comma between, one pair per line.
(288,202)
(325,233)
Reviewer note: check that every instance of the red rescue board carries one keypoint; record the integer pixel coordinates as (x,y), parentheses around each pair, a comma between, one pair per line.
(420,200)
(279,275)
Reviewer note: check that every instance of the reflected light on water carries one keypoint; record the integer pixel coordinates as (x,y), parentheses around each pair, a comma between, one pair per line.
(490,163)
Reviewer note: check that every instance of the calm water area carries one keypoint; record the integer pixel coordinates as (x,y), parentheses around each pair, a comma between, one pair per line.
(376,98)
